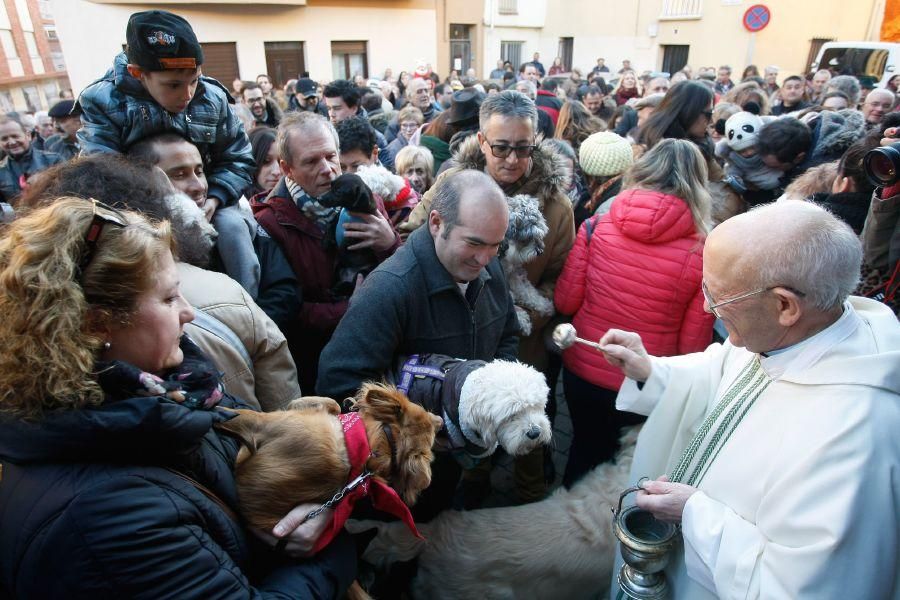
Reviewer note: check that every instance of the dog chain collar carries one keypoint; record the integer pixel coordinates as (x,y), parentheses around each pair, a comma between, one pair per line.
(360,479)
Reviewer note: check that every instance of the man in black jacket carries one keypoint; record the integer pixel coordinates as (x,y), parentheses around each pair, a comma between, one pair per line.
(22,160)
(443,293)
(67,121)
(264,110)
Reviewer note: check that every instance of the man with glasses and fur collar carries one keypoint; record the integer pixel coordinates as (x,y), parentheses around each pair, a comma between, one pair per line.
(506,149)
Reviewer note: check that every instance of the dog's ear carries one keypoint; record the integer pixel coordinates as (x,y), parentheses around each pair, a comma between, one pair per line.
(382,402)
(245,427)
(315,403)
(436,422)
(414,477)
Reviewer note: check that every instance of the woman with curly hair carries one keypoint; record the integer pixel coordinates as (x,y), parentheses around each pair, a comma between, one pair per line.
(576,124)
(114,481)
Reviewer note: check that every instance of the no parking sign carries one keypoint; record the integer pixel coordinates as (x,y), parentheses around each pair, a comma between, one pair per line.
(757,17)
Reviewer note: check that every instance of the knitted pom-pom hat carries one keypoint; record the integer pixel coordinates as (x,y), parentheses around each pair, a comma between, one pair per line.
(605,154)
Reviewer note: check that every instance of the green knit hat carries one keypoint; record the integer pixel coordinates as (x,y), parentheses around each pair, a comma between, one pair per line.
(605,154)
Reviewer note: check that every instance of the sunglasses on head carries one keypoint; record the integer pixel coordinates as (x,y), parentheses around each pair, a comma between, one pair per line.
(103,215)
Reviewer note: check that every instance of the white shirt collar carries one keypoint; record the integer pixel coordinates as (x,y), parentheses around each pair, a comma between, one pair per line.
(802,355)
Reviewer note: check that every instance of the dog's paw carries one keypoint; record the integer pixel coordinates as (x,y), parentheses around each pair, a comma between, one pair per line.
(524,321)
(315,403)
(544,306)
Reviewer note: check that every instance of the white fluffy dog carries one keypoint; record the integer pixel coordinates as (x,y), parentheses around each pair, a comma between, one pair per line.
(484,404)
(381,181)
(504,403)
(562,547)
(524,241)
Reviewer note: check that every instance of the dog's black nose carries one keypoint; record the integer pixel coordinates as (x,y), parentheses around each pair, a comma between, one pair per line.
(533,433)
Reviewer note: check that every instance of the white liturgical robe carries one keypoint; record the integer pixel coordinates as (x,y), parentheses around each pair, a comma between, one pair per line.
(800,497)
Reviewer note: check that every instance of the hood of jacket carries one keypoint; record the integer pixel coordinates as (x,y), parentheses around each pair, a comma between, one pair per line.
(652,217)
(549,176)
(851,207)
(123,80)
(133,430)
(834,132)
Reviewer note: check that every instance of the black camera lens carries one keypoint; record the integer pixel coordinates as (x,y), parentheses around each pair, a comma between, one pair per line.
(883,165)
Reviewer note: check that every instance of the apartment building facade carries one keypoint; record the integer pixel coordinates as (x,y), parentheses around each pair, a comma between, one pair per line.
(341,38)
(329,39)
(664,35)
(32,67)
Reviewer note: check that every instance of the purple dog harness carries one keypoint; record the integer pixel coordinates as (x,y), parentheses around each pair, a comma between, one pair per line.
(412,369)
(466,452)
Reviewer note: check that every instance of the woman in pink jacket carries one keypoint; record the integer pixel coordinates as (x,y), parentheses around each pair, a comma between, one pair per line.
(637,268)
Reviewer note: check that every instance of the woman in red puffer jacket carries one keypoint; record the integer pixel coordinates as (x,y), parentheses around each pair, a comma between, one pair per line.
(637,268)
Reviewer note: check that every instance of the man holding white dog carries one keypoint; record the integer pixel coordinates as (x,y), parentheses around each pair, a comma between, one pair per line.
(444,293)
(780,446)
(506,149)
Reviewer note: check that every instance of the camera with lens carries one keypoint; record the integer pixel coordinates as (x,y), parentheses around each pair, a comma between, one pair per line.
(883,165)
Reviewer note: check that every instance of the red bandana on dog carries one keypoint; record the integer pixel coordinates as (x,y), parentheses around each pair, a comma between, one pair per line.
(382,496)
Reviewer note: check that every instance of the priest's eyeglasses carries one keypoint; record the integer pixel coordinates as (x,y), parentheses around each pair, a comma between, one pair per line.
(713,305)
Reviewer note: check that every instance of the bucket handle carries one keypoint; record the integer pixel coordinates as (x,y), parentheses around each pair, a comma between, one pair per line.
(634,488)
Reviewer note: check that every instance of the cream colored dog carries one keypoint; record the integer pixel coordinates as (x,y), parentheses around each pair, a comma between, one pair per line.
(562,547)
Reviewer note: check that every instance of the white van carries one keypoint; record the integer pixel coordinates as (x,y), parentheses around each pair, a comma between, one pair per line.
(880,60)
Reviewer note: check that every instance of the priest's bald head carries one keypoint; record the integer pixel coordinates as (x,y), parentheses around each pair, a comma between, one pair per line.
(779,274)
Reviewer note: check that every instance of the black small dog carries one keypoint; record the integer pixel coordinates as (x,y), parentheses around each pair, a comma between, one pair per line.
(350,194)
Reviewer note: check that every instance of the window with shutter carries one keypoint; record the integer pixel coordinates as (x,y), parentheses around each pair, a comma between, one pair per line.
(220,61)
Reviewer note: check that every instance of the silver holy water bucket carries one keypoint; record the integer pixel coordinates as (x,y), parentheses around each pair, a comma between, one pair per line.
(646,543)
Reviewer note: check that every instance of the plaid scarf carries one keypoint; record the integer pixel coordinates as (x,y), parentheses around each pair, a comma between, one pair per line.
(322,216)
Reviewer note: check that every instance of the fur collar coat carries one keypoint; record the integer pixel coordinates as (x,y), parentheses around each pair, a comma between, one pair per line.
(547,181)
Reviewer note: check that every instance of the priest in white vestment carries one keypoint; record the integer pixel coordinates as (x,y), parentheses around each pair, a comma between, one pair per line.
(781,447)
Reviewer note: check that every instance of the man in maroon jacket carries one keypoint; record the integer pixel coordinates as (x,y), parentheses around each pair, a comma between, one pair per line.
(308,153)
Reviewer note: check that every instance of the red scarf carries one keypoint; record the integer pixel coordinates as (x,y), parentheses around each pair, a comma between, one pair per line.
(382,496)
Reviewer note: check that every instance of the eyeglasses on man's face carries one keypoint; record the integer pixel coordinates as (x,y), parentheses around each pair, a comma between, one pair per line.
(504,150)
(713,306)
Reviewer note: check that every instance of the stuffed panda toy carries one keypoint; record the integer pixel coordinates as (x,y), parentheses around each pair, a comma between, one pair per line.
(742,161)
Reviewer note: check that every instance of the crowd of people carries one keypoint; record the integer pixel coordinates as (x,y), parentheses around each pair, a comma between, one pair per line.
(171,247)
